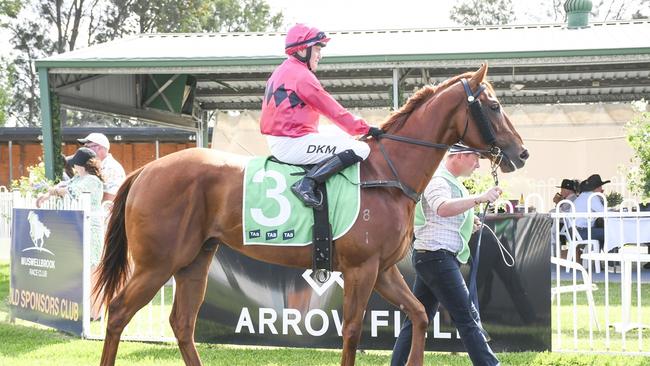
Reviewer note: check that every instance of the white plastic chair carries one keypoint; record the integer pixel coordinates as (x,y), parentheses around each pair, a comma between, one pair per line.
(587,286)
(574,241)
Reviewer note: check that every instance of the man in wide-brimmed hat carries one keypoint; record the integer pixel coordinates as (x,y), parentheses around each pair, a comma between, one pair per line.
(568,191)
(587,201)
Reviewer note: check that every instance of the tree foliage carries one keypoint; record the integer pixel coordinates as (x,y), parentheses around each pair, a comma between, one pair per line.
(30,42)
(602,10)
(5,98)
(482,12)
(122,17)
(40,28)
(10,8)
(638,137)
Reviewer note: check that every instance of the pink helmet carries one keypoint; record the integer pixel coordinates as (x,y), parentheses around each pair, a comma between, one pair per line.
(301,36)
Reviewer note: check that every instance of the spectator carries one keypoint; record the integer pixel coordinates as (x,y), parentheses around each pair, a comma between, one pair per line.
(568,191)
(87,179)
(112,170)
(585,201)
(68,171)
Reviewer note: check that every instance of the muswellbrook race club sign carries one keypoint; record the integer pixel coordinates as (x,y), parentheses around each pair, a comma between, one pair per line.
(47,268)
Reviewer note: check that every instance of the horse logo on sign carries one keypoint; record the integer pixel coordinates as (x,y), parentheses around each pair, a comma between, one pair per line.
(38,232)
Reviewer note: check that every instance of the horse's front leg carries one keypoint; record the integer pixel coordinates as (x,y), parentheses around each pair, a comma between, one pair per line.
(392,287)
(359,282)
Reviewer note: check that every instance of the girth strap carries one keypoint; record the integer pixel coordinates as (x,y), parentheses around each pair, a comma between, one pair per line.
(322,235)
(397,183)
(408,191)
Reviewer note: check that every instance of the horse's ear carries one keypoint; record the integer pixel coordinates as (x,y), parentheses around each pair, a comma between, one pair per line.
(480,74)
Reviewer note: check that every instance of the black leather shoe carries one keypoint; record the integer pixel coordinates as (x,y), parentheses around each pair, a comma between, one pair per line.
(304,189)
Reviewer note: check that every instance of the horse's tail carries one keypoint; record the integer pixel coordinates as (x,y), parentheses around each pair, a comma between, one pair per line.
(114,267)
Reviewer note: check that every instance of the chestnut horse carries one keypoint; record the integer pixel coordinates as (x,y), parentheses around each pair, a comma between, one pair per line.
(170,216)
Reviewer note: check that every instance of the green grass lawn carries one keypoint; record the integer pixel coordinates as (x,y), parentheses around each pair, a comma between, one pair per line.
(24,343)
(578,322)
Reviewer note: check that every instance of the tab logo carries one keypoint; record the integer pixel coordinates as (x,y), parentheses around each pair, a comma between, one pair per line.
(288,235)
(254,234)
(270,235)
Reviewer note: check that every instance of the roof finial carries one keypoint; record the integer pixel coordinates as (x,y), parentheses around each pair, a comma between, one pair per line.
(577,13)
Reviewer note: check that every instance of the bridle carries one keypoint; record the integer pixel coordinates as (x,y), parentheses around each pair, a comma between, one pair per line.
(483,123)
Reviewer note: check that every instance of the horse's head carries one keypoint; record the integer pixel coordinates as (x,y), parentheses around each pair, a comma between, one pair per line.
(486,125)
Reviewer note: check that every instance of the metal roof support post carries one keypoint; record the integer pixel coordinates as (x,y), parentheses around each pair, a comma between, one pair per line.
(46,119)
(396,89)
(214,114)
(199,133)
(11,162)
(205,120)
(202,130)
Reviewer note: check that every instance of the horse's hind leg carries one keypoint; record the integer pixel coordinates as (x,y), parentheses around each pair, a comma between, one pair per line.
(359,283)
(392,287)
(191,282)
(137,292)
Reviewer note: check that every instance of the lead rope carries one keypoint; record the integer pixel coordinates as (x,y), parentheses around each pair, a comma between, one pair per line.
(473,290)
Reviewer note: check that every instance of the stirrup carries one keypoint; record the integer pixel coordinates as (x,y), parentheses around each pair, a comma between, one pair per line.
(319,205)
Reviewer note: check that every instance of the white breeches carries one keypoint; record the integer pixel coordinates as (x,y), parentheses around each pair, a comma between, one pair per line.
(313,148)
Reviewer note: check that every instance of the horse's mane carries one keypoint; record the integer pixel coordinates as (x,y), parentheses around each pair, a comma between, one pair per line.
(397,119)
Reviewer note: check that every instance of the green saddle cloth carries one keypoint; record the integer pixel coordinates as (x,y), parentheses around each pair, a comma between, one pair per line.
(273,215)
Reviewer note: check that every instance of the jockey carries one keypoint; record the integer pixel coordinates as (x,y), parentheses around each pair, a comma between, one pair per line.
(293,102)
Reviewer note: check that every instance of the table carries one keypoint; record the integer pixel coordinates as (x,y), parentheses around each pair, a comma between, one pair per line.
(619,231)
(627,261)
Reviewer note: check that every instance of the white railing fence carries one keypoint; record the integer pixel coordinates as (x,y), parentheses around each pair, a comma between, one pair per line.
(619,301)
(5,213)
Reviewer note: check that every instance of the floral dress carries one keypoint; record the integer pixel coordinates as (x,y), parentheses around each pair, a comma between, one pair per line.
(93,185)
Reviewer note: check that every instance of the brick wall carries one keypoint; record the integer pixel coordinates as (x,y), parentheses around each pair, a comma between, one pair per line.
(130,155)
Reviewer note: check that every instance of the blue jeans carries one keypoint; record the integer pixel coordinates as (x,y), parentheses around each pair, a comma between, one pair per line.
(439,280)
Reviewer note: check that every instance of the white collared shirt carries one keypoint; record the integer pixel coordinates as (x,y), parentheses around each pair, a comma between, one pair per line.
(582,205)
(113,174)
(439,232)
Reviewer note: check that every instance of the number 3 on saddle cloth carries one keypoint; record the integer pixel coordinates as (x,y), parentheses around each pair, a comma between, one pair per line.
(273,215)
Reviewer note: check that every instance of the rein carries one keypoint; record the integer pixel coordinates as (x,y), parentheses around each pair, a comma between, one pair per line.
(475,108)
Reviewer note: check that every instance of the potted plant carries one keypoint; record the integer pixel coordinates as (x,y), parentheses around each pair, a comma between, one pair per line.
(34,183)
(614,199)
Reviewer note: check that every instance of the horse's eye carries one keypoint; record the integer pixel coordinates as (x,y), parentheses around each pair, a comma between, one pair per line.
(495,107)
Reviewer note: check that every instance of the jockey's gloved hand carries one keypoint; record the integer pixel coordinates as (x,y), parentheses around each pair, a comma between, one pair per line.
(375,132)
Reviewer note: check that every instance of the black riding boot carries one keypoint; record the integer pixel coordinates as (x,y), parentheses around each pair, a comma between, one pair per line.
(305,188)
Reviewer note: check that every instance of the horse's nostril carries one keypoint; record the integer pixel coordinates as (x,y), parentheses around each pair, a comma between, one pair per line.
(524,155)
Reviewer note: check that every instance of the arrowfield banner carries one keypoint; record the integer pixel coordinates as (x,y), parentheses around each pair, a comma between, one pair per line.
(254,303)
(47,267)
